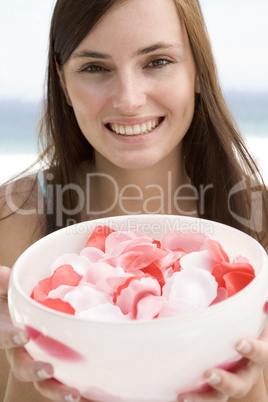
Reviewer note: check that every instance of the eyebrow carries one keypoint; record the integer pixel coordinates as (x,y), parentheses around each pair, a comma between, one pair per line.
(140,52)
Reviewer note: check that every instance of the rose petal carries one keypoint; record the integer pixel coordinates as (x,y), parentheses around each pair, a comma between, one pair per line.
(85,297)
(137,289)
(65,275)
(177,307)
(98,237)
(196,286)
(103,312)
(92,254)
(59,305)
(120,242)
(198,259)
(220,270)
(154,271)
(222,294)
(188,240)
(42,289)
(149,307)
(236,281)
(79,263)
(216,250)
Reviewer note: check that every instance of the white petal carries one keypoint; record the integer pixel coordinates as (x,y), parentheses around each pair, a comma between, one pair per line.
(103,312)
(196,286)
(199,259)
(79,263)
(86,297)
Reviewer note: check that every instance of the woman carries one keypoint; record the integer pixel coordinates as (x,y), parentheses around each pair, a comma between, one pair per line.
(134,122)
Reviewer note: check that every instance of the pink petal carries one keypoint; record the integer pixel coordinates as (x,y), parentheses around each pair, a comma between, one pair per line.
(92,254)
(216,250)
(149,307)
(168,259)
(100,270)
(222,294)
(137,289)
(187,240)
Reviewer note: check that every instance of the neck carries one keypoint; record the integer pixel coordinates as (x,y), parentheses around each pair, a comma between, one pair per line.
(161,189)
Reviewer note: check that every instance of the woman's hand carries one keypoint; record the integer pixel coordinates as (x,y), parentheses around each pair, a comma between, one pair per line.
(25,369)
(238,383)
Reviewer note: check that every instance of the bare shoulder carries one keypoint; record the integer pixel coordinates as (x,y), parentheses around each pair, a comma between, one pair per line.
(22,217)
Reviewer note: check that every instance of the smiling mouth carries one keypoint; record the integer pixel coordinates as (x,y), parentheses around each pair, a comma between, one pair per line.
(137,129)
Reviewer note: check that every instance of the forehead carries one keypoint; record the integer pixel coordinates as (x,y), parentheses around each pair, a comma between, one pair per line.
(133,23)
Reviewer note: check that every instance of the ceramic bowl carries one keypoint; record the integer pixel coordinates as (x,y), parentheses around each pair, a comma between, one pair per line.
(137,361)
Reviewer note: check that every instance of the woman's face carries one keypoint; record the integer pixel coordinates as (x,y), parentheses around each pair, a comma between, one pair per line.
(132,82)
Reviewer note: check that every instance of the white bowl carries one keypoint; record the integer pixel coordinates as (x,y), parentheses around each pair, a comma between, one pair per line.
(137,360)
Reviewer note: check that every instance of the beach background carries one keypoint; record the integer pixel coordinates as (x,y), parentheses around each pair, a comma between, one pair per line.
(238,31)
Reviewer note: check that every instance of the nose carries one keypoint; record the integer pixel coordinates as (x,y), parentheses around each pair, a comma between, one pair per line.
(129,93)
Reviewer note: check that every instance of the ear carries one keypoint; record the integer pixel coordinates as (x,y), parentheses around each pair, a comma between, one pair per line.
(197,84)
(63,84)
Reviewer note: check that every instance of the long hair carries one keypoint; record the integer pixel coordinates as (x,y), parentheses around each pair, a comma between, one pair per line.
(216,159)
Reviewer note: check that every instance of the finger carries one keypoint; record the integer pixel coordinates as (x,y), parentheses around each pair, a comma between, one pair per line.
(52,389)
(4,279)
(236,384)
(254,349)
(10,336)
(25,368)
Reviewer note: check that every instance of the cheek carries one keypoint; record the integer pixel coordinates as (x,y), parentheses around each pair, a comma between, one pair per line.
(88,104)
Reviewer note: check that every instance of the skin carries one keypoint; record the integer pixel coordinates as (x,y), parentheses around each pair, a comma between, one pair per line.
(126,89)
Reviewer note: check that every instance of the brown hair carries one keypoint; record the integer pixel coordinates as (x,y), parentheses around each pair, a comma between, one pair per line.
(215,154)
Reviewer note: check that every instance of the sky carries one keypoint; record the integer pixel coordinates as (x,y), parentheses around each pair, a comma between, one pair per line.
(238,31)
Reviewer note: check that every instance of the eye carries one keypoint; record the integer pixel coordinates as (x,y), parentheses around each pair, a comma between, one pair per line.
(94,69)
(159,63)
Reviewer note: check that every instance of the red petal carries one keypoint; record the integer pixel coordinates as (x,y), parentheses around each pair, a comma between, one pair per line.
(154,271)
(65,275)
(59,305)
(43,288)
(216,250)
(98,237)
(225,267)
(236,281)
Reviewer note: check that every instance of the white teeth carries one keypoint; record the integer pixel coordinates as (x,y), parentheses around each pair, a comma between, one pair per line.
(137,129)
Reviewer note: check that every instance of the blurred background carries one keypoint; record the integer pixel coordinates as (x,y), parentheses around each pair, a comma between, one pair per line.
(238,31)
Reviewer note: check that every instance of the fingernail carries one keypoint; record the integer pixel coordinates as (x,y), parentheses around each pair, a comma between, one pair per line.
(21,338)
(43,374)
(71,398)
(244,347)
(214,379)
